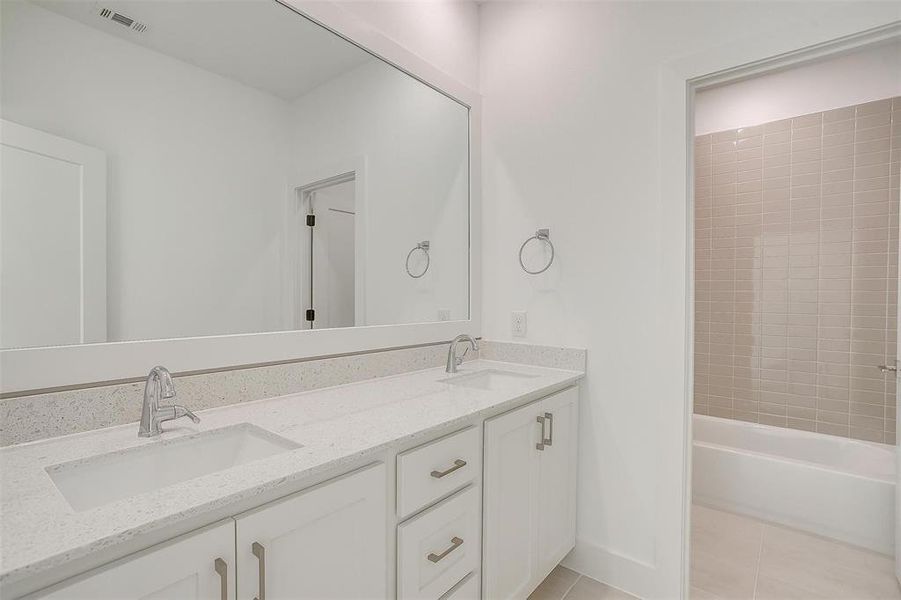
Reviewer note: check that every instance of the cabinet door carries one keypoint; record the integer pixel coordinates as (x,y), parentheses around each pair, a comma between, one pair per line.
(185,568)
(511,503)
(326,542)
(557,483)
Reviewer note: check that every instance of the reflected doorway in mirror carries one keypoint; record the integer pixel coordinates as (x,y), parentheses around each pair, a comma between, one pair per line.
(325,243)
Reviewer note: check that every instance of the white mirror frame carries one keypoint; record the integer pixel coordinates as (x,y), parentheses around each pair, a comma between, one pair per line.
(30,369)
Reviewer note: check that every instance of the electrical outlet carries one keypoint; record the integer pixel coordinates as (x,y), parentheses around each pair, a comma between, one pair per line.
(444,314)
(518,323)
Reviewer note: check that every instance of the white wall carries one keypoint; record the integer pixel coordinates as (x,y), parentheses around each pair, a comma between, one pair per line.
(186,204)
(572,142)
(414,143)
(443,32)
(853,78)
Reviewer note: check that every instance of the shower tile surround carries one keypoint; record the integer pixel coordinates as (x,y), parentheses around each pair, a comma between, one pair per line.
(796,264)
(52,414)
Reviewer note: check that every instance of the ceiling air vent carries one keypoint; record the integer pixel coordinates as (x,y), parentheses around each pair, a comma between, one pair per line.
(121,19)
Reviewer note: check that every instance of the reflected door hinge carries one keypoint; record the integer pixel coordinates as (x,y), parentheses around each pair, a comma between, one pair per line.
(311,315)
(311,220)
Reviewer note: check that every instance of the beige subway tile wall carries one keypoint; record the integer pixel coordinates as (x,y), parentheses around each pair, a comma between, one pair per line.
(796,266)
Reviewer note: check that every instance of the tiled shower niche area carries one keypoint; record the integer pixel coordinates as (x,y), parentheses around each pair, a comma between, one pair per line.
(796,264)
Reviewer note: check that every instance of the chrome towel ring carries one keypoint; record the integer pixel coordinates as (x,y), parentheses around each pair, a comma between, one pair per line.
(542,235)
(424,247)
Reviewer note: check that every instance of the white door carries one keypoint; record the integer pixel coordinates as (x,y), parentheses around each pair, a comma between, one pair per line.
(511,510)
(326,542)
(333,266)
(52,240)
(331,272)
(196,566)
(557,492)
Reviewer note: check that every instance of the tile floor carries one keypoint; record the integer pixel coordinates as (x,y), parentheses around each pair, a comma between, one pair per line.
(563,583)
(735,557)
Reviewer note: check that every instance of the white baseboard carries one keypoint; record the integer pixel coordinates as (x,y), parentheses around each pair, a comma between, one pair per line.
(626,574)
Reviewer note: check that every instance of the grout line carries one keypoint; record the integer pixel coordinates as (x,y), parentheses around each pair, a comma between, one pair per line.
(570,588)
(759,558)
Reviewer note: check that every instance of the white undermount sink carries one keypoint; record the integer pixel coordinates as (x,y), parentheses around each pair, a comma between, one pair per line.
(106,478)
(487,379)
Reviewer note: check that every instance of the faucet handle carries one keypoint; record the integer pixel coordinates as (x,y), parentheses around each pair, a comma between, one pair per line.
(181,411)
(460,358)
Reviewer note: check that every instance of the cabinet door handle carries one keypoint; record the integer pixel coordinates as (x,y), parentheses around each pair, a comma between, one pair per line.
(540,444)
(550,427)
(222,568)
(260,552)
(458,464)
(455,543)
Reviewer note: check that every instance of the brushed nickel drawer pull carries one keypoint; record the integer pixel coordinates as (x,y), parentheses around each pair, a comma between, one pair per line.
(540,445)
(455,543)
(221,567)
(550,427)
(458,464)
(260,552)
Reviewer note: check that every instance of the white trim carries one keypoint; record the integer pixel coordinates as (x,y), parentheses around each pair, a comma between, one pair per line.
(679,80)
(92,165)
(41,368)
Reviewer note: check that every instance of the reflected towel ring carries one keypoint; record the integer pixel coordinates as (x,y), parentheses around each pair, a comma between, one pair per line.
(424,246)
(543,235)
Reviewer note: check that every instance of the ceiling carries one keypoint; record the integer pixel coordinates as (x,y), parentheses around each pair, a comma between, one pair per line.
(259,43)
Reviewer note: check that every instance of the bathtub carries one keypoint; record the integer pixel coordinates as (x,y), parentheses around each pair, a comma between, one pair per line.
(835,487)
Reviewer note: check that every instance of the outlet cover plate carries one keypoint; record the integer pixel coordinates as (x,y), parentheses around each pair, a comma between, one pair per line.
(518,323)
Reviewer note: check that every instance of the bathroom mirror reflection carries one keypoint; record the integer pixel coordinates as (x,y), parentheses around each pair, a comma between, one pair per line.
(185,168)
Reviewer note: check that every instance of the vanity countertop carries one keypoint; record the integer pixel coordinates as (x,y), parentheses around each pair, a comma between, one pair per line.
(338,426)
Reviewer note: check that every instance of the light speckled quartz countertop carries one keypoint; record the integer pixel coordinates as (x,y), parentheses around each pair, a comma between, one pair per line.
(337,426)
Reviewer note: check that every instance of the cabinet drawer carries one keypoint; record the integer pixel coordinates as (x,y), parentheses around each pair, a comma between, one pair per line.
(427,473)
(439,547)
(468,589)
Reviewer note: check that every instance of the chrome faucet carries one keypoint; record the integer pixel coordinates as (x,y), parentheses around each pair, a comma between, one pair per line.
(454,361)
(159,385)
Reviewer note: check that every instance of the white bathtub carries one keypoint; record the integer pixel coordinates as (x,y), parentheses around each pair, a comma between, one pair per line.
(831,486)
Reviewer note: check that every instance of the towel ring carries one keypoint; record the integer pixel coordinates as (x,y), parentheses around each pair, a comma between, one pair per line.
(543,235)
(424,246)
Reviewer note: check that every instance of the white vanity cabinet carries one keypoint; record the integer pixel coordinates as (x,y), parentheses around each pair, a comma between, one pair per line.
(196,566)
(484,511)
(325,542)
(530,493)
(328,541)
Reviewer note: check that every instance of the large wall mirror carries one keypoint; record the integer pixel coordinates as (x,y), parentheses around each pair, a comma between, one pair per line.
(201,168)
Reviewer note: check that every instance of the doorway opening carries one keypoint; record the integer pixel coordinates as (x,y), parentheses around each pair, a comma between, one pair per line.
(326,277)
(795,196)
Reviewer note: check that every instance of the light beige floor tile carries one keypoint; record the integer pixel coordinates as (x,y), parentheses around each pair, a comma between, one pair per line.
(555,585)
(798,565)
(773,589)
(589,589)
(724,552)
(699,594)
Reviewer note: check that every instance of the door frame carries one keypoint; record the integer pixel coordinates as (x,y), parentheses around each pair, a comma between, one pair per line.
(679,81)
(92,228)
(302,185)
